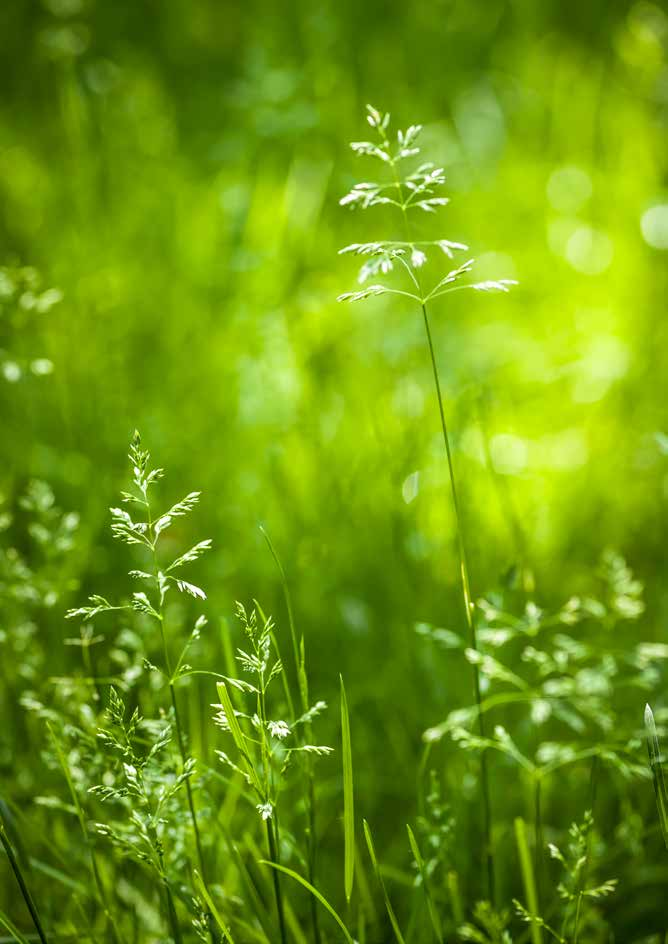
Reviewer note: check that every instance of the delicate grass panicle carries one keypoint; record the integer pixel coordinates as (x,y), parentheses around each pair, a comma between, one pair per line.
(418,190)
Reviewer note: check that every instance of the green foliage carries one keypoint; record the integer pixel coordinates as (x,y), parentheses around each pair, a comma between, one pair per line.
(175,177)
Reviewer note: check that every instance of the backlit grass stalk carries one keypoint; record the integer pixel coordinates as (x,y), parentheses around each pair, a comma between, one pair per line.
(461,548)
(152,536)
(271,823)
(146,533)
(408,192)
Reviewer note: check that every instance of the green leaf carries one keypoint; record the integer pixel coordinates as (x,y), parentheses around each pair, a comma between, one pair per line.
(203,891)
(12,929)
(388,904)
(528,879)
(232,723)
(419,861)
(657,772)
(314,891)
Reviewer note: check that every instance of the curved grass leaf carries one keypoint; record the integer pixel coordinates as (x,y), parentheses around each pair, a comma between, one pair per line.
(388,904)
(419,861)
(314,891)
(204,892)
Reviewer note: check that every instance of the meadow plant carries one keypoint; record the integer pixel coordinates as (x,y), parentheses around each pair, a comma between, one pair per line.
(160,578)
(265,751)
(410,191)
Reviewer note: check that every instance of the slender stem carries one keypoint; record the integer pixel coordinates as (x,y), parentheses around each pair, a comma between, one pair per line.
(16,869)
(189,793)
(271,823)
(463,566)
(577,918)
(171,909)
(302,684)
(538,838)
(468,607)
(585,867)
(273,852)
(177,719)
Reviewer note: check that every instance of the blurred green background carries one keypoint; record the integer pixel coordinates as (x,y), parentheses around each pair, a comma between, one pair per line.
(174,170)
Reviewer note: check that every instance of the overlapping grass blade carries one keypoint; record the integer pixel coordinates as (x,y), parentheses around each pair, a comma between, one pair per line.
(314,891)
(376,867)
(431,905)
(528,878)
(204,892)
(12,929)
(656,767)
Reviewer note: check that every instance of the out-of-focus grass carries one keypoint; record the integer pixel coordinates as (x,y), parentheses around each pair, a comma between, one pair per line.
(175,172)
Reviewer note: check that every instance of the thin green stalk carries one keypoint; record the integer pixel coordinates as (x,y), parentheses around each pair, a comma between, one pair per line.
(97,878)
(538,838)
(576,923)
(12,929)
(379,878)
(583,876)
(528,880)
(204,892)
(271,823)
(273,855)
(468,607)
(171,909)
(177,717)
(348,798)
(16,869)
(431,904)
(299,656)
(463,565)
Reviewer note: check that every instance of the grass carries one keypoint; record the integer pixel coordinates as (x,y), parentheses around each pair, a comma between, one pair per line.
(25,894)
(221,822)
(348,798)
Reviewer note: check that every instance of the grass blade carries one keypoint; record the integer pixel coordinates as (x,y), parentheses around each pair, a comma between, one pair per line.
(455,898)
(235,728)
(419,861)
(297,644)
(16,869)
(388,904)
(348,797)
(314,891)
(657,772)
(12,929)
(204,892)
(528,879)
